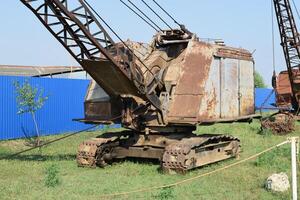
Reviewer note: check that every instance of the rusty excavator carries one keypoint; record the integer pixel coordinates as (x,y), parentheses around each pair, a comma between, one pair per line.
(159,92)
(287,84)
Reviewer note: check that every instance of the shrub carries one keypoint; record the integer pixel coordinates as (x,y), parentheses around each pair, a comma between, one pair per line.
(166,193)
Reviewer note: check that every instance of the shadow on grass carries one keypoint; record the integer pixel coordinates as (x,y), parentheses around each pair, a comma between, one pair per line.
(40,157)
(144,161)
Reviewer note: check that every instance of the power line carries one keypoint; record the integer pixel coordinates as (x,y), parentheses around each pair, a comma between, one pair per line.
(144,14)
(156,29)
(166,13)
(157,15)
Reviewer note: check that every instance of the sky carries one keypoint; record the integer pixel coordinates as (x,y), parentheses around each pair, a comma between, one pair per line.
(240,23)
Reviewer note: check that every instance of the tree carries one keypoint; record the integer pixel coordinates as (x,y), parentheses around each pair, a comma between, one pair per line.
(259,81)
(29,100)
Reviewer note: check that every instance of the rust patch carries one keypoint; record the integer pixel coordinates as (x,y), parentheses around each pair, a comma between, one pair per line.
(191,84)
(234,53)
(195,68)
(185,106)
(283,89)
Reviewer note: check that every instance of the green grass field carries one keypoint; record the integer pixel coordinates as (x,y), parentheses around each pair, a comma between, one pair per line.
(23,177)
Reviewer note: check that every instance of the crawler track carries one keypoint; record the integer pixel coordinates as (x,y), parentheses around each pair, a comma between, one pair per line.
(178,155)
(198,151)
(90,152)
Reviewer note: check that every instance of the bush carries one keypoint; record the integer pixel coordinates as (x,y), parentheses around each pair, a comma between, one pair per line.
(52,176)
(259,81)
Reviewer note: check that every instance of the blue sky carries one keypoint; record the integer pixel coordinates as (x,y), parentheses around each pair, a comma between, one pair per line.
(240,23)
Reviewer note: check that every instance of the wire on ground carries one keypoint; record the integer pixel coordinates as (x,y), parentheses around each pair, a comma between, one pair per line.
(196,177)
(47,143)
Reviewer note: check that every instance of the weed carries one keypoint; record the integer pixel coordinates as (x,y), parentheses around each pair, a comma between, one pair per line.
(52,176)
(166,193)
(265,132)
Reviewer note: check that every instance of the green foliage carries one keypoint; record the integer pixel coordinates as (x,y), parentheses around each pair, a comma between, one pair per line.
(258,80)
(52,176)
(29,98)
(165,194)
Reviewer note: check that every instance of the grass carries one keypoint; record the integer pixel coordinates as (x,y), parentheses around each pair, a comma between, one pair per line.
(23,177)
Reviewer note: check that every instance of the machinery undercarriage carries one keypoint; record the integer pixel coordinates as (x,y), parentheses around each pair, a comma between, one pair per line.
(177,152)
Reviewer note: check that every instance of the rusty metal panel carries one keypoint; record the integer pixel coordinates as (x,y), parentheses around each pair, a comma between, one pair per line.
(283,89)
(97,110)
(195,69)
(211,87)
(105,74)
(210,107)
(229,88)
(186,107)
(246,93)
(191,84)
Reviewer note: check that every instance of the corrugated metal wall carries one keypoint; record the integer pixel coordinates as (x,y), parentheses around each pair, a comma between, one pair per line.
(64,104)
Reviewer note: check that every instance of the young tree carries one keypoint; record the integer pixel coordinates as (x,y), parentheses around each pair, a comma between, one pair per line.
(259,81)
(30,99)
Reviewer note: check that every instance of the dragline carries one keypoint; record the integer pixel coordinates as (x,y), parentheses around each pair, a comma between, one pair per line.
(287,83)
(159,92)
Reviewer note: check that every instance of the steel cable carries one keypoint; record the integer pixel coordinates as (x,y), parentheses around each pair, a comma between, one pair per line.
(157,28)
(166,13)
(47,143)
(273,36)
(157,15)
(67,136)
(144,14)
(112,30)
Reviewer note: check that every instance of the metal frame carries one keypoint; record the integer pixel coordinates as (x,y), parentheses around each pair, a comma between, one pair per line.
(78,30)
(290,41)
(75,28)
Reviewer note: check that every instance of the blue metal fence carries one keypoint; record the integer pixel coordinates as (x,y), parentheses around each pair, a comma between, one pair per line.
(64,104)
